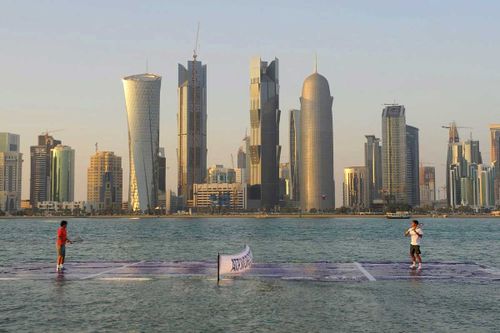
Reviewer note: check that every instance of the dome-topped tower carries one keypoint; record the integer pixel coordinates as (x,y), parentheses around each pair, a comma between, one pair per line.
(316,148)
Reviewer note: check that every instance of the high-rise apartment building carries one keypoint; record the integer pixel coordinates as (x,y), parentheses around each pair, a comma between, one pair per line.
(394,152)
(142,100)
(284,175)
(470,182)
(317,189)
(427,180)
(495,159)
(356,187)
(40,168)
(451,172)
(373,164)
(62,174)
(11,162)
(264,147)
(218,174)
(192,128)
(412,166)
(294,154)
(105,182)
(162,179)
(241,158)
(486,182)
(471,152)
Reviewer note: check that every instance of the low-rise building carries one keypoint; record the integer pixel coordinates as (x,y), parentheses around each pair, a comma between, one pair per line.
(231,196)
(66,207)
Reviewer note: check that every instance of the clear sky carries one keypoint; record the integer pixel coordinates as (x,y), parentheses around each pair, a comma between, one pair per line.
(62,63)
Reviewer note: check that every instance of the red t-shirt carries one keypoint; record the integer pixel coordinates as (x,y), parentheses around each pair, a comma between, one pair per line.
(61,236)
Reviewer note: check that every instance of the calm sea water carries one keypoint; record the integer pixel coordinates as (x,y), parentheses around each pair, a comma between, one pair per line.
(191,305)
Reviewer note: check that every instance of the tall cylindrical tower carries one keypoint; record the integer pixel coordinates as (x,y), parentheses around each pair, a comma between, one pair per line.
(62,175)
(316,145)
(142,99)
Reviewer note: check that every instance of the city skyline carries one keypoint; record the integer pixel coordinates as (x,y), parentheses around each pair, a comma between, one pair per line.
(459,90)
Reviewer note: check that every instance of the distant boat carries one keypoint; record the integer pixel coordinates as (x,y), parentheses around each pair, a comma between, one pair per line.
(398,215)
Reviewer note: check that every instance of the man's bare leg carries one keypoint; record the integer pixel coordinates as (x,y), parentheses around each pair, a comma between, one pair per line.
(413,264)
(419,260)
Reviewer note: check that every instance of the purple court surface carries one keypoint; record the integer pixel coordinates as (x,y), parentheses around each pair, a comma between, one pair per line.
(320,271)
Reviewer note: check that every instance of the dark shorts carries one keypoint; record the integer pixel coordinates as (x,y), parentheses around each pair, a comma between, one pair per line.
(414,249)
(61,250)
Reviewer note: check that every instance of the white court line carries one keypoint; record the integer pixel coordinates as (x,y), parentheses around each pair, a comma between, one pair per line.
(110,270)
(364,271)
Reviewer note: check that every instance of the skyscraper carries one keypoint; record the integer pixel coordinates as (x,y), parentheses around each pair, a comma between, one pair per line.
(355,187)
(455,171)
(427,179)
(243,161)
(471,152)
(162,179)
(40,168)
(412,165)
(486,181)
(105,181)
(284,188)
(241,158)
(217,174)
(495,159)
(294,154)
(142,100)
(453,140)
(192,128)
(373,163)
(316,145)
(265,150)
(62,174)
(394,154)
(11,161)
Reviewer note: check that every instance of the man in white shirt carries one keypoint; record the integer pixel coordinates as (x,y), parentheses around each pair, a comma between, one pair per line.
(416,233)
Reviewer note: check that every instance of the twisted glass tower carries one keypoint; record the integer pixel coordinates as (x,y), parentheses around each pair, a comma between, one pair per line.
(316,145)
(142,100)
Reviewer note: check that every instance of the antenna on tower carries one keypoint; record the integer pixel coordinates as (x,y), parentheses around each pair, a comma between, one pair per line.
(96,147)
(315,62)
(196,45)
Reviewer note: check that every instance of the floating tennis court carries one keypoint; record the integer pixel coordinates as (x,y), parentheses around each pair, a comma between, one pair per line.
(318,271)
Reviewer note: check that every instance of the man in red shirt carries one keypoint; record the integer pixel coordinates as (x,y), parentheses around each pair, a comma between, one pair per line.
(61,241)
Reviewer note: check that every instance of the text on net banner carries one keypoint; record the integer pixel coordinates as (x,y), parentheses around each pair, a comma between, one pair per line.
(235,263)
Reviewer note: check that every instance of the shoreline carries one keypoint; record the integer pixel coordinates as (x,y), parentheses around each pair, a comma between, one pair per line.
(248,216)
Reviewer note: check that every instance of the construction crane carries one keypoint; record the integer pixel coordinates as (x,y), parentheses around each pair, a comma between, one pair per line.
(48,132)
(448,127)
(453,132)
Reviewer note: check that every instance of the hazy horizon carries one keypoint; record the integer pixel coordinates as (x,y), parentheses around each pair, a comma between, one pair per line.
(63,64)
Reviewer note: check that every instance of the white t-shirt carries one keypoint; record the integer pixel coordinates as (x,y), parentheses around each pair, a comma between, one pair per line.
(415,239)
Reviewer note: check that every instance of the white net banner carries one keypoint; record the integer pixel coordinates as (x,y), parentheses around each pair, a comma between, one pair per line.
(236,263)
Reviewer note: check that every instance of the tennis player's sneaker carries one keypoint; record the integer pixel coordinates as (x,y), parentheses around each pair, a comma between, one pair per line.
(62,268)
(58,268)
(413,266)
(419,267)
